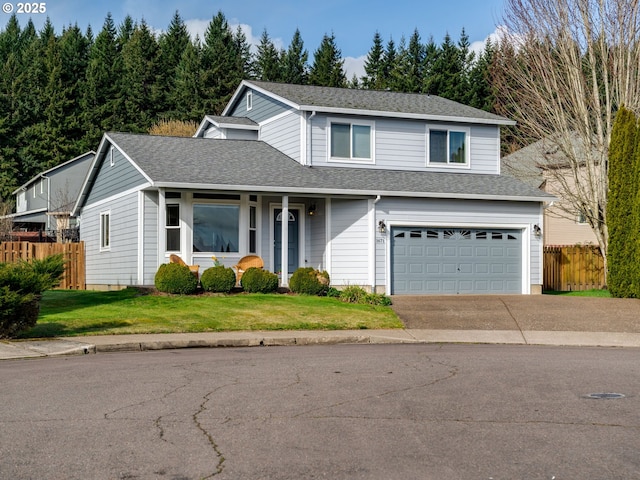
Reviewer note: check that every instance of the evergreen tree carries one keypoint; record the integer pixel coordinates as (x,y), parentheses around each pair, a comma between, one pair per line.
(295,68)
(480,93)
(446,72)
(102,102)
(622,252)
(172,46)
(327,69)
(268,66)
(415,64)
(222,64)
(388,62)
(374,66)
(140,71)
(187,95)
(400,68)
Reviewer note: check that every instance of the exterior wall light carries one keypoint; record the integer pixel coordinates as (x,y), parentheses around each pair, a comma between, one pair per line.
(382,227)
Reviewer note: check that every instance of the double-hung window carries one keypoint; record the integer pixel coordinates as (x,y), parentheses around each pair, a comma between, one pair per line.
(448,146)
(351,141)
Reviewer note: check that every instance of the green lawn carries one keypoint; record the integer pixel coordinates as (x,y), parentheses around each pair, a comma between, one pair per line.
(73,313)
(581,293)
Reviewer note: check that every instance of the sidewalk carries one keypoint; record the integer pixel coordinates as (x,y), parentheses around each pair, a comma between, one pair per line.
(131,343)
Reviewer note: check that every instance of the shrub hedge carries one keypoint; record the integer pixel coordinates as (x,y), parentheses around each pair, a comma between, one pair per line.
(218,279)
(257,280)
(175,278)
(309,281)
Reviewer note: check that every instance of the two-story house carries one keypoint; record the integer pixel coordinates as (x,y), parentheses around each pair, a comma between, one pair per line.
(44,203)
(399,193)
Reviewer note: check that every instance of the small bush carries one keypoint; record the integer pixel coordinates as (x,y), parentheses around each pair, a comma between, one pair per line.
(21,286)
(333,292)
(256,280)
(175,278)
(356,294)
(218,279)
(309,281)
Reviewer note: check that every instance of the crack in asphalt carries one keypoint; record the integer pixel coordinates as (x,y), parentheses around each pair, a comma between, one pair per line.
(209,436)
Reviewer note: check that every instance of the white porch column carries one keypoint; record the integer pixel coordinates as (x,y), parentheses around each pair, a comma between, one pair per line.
(284,259)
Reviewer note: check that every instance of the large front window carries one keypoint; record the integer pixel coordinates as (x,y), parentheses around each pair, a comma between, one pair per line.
(350,141)
(216,228)
(448,147)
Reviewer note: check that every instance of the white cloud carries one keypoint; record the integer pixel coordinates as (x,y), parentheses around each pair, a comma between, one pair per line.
(495,37)
(199,27)
(354,66)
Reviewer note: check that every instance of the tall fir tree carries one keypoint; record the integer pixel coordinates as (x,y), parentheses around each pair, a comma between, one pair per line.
(480,92)
(416,57)
(268,66)
(140,72)
(172,44)
(622,251)
(295,68)
(188,92)
(327,69)
(374,66)
(222,64)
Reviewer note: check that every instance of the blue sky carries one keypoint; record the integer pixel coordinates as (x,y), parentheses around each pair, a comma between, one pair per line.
(352,22)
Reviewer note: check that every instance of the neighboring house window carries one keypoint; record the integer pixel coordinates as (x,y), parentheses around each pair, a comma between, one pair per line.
(173,227)
(448,146)
(111,159)
(216,227)
(249,101)
(581,218)
(105,230)
(351,141)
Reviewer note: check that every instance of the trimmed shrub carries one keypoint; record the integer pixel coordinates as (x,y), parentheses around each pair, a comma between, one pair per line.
(309,281)
(218,279)
(175,278)
(356,294)
(257,280)
(21,286)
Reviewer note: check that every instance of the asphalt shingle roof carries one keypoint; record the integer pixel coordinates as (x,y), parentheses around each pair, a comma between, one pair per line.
(252,165)
(422,105)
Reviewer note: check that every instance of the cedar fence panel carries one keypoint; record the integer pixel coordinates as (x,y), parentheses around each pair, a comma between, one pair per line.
(74,276)
(571,268)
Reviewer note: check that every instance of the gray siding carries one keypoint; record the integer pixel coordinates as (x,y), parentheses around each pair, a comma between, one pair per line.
(113,179)
(401,145)
(263,107)
(317,236)
(284,134)
(233,134)
(444,213)
(119,265)
(213,132)
(150,232)
(349,242)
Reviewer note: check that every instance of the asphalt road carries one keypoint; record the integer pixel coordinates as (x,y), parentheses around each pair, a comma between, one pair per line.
(338,412)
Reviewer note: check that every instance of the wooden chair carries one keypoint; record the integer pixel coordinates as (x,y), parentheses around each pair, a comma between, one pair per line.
(195,269)
(245,263)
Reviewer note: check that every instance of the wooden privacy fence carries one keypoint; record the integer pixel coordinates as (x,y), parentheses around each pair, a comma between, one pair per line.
(570,268)
(74,276)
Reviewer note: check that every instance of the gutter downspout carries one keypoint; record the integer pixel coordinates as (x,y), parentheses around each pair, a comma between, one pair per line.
(372,259)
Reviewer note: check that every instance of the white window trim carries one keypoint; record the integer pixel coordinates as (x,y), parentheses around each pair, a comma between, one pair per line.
(249,101)
(173,202)
(448,129)
(105,247)
(365,123)
(111,159)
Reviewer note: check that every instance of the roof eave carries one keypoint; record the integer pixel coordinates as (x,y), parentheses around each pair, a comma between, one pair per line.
(335,191)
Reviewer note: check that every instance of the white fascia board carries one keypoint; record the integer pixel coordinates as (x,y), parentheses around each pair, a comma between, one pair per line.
(412,116)
(202,127)
(248,84)
(341,192)
(135,165)
(47,172)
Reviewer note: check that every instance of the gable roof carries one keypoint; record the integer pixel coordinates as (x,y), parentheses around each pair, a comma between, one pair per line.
(369,102)
(238,123)
(46,173)
(255,166)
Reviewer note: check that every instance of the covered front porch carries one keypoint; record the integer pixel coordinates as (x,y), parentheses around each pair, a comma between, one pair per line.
(201,227)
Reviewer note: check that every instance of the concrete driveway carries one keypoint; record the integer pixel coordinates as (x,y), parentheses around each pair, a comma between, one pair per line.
(518,312)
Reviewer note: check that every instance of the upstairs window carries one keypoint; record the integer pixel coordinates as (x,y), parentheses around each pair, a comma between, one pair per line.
(351,141)
(105,230)
(448,146)
(249,101)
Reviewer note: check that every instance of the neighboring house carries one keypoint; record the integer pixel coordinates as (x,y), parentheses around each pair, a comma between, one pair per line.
(399,193)
(539,165)
(44,203)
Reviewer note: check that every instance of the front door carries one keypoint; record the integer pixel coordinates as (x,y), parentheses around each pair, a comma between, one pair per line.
(294,235)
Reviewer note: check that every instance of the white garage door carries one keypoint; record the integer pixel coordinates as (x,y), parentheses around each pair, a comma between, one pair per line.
(455,260)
